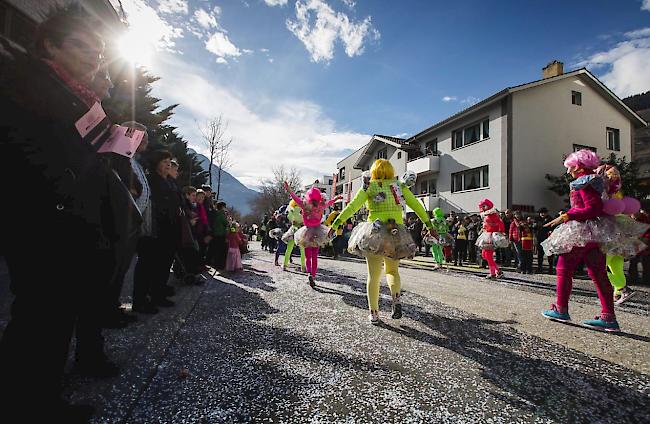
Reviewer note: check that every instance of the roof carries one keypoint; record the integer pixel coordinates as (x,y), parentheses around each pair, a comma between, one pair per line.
(400,143)
(582,73)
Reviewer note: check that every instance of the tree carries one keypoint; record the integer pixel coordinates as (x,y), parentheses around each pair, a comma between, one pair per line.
(629,171)
(213,133)
(272,193)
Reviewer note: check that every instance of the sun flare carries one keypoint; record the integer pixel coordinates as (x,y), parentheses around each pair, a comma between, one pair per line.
(136,48)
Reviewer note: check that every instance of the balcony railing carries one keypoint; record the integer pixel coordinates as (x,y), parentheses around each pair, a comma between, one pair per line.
(424,164)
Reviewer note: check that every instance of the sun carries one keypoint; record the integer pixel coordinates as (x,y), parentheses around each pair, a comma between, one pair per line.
(136,48)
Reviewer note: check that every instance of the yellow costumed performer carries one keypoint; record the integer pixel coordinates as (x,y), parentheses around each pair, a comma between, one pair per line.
(383,238)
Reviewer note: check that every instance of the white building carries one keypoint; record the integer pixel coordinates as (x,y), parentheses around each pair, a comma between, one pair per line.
(502,147)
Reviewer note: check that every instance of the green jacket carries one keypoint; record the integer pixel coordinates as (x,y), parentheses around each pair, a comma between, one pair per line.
(379,198)
(219,223)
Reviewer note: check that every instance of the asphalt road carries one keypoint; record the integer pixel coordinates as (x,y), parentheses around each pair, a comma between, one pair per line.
(262,346)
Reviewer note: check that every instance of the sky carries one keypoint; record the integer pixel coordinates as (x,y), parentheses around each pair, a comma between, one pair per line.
(304,83)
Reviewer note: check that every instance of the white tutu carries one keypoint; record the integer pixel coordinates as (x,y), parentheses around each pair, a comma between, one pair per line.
(572,234)
(288,236)
(492,240)
(378,239)
(627,241)
(312,236)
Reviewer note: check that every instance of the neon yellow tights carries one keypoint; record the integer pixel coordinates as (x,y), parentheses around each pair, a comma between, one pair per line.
(615,272)
(374,263)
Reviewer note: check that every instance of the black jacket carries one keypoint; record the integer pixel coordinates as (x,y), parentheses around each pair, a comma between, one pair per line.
(82,202)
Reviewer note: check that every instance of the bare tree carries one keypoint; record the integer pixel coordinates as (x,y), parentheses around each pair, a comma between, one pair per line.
(213,132)
(272,193)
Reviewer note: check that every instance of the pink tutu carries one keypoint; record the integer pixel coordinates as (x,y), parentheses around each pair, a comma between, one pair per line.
(233,263)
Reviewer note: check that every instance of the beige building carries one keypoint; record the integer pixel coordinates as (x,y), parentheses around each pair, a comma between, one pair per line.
(502,147)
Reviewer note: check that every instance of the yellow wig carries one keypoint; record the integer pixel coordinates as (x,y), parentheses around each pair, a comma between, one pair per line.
(293,204)
(382,170)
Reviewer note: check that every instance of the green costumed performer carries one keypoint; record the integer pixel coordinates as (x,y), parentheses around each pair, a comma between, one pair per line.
(627,244)
(440,225)
(295,218)
(383,239)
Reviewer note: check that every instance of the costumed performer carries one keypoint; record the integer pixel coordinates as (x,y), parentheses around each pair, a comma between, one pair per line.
(493,236)
(440,225)
(295,219)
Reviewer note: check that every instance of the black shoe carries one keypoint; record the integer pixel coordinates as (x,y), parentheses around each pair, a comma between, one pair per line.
(397,311)
(312,283)
(98,368)
(165,303)
(145,308)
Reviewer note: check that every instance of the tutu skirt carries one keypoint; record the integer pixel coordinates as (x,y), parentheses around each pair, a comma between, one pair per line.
(568,235)
(375,238)
(233,261)
(312,236)
(627,241)
(288,236)
(492,240)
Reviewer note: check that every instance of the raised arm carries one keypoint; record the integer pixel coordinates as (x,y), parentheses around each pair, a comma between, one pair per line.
(333,200)
(350,209)
(293,195)
(417,207)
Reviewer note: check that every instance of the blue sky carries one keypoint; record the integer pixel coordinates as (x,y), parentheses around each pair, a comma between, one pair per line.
(305,82)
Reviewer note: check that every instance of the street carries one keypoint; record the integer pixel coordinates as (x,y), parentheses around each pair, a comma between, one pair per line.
(262,346)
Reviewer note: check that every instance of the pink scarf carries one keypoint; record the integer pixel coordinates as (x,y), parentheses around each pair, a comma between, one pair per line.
(80,90)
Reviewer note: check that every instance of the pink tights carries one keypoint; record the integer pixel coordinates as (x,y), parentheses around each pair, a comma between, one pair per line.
(488,255)
(594,260)
(311,259)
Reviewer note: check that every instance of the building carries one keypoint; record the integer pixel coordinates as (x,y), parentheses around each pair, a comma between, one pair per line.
(640,103)
(502,147)
(348,178)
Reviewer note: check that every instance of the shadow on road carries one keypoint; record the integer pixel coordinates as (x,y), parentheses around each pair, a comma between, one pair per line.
(555,381)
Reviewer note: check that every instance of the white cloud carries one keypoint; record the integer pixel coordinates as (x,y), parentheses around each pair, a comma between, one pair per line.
(271,60)
(470,100)
(247,51)
(352,3)
(148,28)
(221,60)
(275,2)
(300,134)
(318,27)
(219,45)
(624,66)
(172,6)
(207,20)
(646,5)
(449,99)
(264,50)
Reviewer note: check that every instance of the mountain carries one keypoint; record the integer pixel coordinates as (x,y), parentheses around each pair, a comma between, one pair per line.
(638,101)
(233,192)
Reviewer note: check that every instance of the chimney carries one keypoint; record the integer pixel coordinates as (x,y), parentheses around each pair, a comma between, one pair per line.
(553,69)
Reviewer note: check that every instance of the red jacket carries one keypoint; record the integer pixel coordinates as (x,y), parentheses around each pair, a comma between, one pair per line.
(526,237)
(514,231)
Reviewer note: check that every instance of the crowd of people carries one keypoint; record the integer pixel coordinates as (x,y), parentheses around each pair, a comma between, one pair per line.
(101,211)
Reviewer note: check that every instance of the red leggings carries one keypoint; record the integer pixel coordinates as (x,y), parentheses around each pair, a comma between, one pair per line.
(488,255)
(311,260)
(594,260)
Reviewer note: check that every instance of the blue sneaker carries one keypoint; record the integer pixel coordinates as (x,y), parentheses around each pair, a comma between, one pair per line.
(600,324)
(554,315)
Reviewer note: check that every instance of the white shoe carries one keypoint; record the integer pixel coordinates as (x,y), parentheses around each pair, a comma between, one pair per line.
(625,294)
(374,317)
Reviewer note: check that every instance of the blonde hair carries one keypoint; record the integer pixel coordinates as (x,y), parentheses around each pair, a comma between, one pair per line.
(382,170)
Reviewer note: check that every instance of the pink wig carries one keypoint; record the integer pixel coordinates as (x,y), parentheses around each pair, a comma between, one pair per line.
(585,159)
(485,202)
(314,196)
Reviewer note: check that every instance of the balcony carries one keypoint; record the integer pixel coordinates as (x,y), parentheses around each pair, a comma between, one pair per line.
(425,164)
(429,201)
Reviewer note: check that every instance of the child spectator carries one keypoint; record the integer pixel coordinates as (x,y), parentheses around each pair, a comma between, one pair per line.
(233,261)
(526,233)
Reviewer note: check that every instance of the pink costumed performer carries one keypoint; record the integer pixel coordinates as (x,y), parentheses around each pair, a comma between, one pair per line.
(313,234)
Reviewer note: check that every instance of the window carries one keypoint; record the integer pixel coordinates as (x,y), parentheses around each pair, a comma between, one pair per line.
(613,139)
(470,134)
(577,147)
(382,154)
(399,155)
(342,174)
(470,179)
(427,187)
(431,148)
(576,98)
(330,181)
